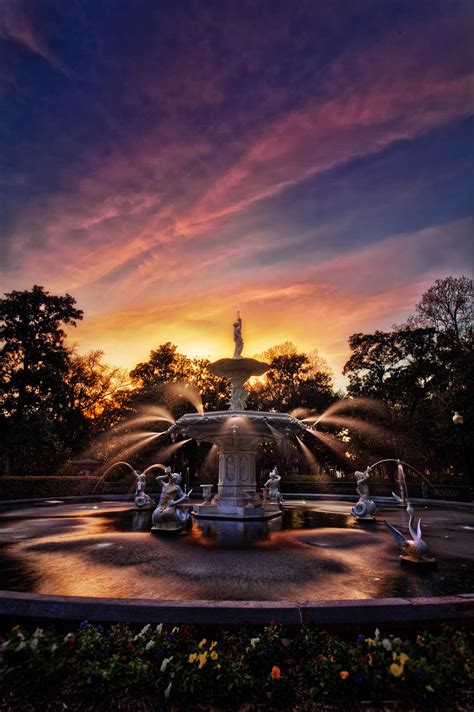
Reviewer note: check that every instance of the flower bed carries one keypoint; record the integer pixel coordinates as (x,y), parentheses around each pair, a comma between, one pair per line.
(245,668)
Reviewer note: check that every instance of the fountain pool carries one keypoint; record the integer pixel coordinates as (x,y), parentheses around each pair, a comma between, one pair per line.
(314,551)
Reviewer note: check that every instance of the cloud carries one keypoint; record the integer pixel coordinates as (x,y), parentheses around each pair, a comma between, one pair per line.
(138,203)
(19,24)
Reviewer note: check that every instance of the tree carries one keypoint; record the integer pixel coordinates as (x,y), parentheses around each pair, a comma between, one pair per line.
(164,366)
(294,380)
(423,370)
(94,398)
(447,307)
(34,361)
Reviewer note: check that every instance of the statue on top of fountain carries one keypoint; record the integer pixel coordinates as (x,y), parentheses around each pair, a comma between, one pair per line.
(273,484)
(365,507)
(169,515)
(238,340)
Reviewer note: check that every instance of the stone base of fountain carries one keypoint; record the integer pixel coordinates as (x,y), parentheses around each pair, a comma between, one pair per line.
(224,510)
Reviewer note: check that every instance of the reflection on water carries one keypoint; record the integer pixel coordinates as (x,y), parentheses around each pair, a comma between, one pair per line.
(316,551)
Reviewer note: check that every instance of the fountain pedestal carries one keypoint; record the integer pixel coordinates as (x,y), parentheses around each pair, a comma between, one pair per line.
(237,496)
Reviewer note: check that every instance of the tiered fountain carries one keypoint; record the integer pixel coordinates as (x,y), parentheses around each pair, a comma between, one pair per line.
(237,433)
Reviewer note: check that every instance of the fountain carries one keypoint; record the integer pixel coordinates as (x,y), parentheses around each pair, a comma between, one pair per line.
(237,433)
(243,545)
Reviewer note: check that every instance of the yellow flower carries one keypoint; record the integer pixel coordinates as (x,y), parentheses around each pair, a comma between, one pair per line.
(192,658)
(214,655)
(202,659)
(370,658)
(396,670)
(429,688)
(403,658)
(202,643)
(213,645)
(420,640)
(218,666)
(343,674)
(394,656)
(371,642)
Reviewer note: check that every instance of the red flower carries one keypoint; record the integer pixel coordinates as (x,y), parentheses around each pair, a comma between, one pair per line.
(276,672)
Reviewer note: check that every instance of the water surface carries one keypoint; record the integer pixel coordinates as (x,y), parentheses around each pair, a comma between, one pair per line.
(314,551)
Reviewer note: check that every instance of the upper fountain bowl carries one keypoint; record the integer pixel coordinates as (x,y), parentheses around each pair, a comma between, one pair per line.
(248,424)
(241,368)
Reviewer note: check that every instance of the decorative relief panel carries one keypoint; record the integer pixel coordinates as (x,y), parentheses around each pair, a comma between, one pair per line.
(230,469)
(244,468)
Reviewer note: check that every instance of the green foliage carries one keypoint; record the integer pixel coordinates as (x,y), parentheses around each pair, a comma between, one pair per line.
(272,666)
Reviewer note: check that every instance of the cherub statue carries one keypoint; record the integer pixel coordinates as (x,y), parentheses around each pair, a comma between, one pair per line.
(273,484)
(365,507)
(169,514)
(142,499)
(239,343)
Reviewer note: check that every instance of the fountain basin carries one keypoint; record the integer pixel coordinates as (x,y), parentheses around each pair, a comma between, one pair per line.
(314,552)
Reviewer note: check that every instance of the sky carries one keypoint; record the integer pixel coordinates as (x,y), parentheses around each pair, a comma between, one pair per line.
(167,163)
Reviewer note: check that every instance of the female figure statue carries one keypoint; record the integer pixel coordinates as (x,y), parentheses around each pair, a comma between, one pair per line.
(169,515)
(239,343)
(273,483)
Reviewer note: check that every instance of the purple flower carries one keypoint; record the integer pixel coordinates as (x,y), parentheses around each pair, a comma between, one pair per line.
(83,624)
(100,628)
(170,636)
(360,639)
(360,677)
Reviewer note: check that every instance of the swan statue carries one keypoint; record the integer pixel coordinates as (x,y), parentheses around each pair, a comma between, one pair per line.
(415,549)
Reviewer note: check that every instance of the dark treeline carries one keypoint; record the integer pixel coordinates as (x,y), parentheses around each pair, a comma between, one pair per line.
(56,404)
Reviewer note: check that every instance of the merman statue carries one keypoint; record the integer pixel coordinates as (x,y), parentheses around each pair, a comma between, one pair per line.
(365,507)
(273,484)
(142,500)
(169,514)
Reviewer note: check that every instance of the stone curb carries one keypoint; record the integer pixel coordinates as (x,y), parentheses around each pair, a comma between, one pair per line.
(341,613)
